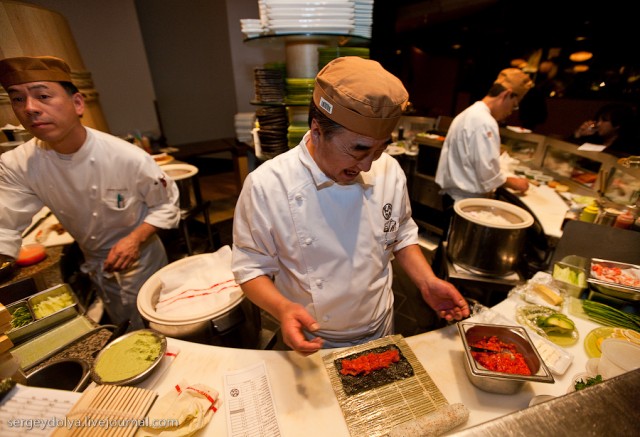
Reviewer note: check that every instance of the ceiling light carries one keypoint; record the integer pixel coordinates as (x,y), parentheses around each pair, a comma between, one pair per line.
(581,56)
(580,68)
(518,63)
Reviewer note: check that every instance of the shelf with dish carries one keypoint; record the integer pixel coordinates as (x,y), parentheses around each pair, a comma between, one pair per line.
(284,91)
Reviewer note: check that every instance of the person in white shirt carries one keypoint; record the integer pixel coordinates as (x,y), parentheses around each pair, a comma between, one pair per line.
(108,194)
(469,164)
(315,229)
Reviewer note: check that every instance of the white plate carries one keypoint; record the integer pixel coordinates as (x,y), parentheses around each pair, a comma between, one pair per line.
(313,28)
(298,3)
(320,22)
(180,171)
(311,5)
(162,158)
(287,15)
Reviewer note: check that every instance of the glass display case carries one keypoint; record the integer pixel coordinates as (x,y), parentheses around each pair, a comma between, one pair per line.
(525,147)
(583,168)
(623,186)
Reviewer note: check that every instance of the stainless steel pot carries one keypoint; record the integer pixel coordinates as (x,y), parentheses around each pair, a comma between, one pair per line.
(487,236)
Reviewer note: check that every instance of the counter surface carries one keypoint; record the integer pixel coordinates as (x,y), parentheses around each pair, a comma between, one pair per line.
(548,207)
(303,394)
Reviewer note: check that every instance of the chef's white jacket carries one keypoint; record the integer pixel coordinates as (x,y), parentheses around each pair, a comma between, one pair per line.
(99,194)
(469,164)
(327,246)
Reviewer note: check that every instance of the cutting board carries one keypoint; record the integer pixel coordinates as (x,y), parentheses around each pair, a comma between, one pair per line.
(52,238)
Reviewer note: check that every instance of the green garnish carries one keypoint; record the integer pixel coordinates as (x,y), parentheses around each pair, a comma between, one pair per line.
(20,317)
(580,384)
(607,315)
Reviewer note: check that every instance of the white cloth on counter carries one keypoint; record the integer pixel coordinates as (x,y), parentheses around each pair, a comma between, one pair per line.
(182,411)
(204,286)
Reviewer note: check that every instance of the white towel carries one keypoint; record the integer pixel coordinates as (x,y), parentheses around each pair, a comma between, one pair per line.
(203,286)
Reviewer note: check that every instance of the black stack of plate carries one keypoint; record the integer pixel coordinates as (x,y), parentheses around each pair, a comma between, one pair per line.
(269,84)
(273,123)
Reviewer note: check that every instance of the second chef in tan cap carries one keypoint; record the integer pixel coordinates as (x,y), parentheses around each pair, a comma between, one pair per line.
(469,164)
(316,228)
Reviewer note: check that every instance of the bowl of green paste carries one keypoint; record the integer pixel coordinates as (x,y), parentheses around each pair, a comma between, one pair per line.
(129,359)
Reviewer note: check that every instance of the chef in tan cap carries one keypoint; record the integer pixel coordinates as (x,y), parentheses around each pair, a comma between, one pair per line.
(316,228)
(108,194)
(469,164)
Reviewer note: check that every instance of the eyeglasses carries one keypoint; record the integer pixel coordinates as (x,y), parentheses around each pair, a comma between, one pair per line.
(517,105)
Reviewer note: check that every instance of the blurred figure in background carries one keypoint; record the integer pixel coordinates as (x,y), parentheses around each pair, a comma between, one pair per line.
(614,127)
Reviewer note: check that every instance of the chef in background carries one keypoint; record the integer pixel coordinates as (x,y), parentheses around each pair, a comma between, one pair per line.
(315,229)
(108,194)
(469,164)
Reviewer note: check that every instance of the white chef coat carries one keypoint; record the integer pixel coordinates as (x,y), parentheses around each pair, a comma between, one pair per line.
(469,164)
(327,246)
(99,194)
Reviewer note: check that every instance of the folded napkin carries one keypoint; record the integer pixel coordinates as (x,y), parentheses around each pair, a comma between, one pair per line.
(182,411)
(204,285)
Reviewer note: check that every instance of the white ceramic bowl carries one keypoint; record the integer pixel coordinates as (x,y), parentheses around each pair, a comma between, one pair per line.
(618,357)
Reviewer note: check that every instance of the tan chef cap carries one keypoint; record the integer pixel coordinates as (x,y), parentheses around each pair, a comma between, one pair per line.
(360,95)
(14,71)
(516,80)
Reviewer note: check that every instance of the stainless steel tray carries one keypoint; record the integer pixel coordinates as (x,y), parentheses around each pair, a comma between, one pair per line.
(37,326)
(611,288)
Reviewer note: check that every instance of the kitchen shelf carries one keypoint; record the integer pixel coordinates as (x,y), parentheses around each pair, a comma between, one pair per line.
(332,39)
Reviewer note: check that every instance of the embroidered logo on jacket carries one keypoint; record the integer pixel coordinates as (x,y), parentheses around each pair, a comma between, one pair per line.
(390,225)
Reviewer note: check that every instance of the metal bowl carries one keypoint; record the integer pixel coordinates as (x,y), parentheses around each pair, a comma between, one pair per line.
(487,236)
(132,350)
(610,288)
(499,382)
(7,268)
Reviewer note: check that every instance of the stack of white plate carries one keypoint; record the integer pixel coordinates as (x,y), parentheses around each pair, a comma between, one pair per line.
(296,16)
(363,18)
(262,6)
(244,123)
(251,27)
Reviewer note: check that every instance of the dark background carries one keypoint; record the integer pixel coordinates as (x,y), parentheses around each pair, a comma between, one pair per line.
(415,40)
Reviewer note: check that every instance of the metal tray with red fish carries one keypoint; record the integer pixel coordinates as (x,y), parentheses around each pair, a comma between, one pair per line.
(617,279)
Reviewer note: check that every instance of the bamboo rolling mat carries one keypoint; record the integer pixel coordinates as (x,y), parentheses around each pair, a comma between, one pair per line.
(108,410)
(374,412)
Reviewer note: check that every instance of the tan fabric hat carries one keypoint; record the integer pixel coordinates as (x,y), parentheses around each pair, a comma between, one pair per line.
(14,71)
(516,80)
(360,95)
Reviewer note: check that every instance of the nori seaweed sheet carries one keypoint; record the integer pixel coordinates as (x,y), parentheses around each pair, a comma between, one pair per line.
(353,384)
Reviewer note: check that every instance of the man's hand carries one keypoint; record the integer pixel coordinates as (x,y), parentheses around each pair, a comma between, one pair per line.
(127,251)
(123,254)
(517,184)
(446,300)
(294,319)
